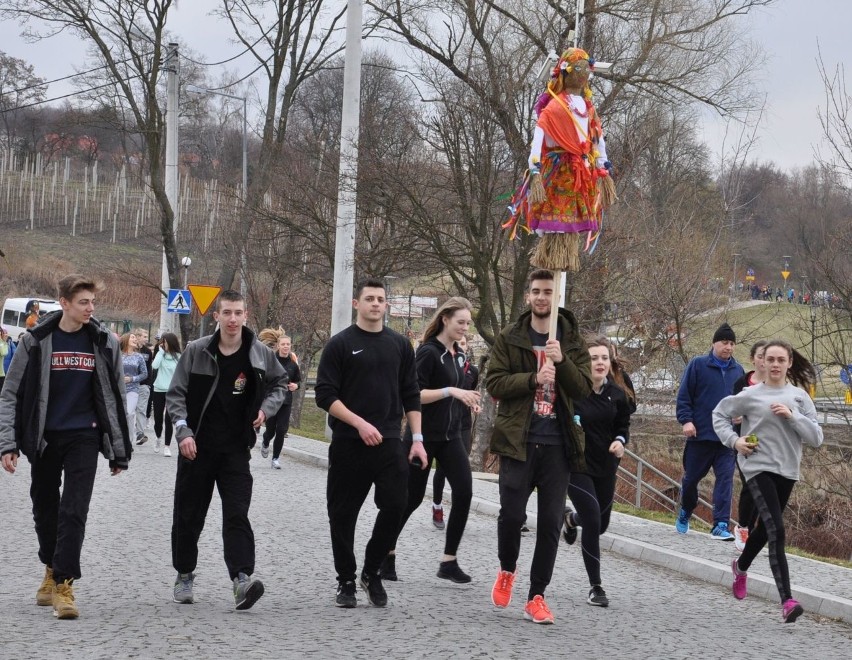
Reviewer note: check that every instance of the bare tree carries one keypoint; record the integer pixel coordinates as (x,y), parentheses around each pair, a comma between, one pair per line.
(291,40)
(127,38)
(20,89)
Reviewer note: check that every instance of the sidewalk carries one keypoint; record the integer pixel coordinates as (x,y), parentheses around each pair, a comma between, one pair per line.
(820,587)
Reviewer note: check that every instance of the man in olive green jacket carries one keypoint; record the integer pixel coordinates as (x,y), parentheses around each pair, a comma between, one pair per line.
(535,379)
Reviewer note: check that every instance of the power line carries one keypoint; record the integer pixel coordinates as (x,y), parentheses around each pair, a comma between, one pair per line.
(72,75)
(65,96)
(240,54)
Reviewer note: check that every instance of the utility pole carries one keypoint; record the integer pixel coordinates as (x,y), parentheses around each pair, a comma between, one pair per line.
(344,247)
(169,321)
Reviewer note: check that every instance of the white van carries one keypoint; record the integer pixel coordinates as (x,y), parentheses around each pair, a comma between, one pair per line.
(15,313)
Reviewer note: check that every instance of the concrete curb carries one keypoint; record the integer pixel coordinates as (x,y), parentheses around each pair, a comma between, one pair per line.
(815,602)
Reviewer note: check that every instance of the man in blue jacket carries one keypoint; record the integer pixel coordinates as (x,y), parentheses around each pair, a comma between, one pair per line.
(707,380)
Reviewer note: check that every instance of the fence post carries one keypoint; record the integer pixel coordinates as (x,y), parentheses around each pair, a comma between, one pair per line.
(639,484)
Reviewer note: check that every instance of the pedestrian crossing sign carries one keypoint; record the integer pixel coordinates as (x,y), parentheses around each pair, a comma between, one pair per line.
(179,301)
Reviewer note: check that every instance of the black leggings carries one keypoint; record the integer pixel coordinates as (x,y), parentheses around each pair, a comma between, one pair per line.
(746,513)
(159,399)
(453,457)
(770,492)
(439,478)
(592,497)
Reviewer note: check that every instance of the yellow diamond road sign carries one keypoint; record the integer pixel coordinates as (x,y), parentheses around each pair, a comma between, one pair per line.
(203,295)
(784,273)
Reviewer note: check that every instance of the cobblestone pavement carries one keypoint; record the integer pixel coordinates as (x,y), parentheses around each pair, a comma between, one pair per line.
(127,611)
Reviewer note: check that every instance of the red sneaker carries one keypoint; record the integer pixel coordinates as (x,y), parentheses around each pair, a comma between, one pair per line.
(501,592)
(537,611)
(438,516)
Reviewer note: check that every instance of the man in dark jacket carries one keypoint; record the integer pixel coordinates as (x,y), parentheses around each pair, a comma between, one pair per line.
(706,381)
(62,403)
(224,387)
(535,378)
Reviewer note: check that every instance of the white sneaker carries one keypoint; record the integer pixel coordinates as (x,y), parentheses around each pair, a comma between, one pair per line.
(276,463)
(157,443)
(167,451)
(740,537)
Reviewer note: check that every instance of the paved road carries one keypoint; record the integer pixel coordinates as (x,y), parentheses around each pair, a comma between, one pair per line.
(127,612)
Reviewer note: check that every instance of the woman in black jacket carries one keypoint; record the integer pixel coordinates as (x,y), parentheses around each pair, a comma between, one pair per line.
(471,382)
(444,400)
(605,418)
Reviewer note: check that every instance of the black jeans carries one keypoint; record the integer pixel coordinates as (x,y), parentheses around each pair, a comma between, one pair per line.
(770,492)
(353,468)
(60,521)
(230,473)
(453,456)
(161,416)
(439,478)
(592,497)
(545,469)
(278,426)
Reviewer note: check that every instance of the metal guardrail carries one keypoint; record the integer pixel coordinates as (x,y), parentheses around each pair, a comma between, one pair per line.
(638,482)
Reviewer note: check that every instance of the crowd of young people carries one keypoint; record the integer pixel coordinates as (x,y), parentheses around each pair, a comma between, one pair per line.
(564,401)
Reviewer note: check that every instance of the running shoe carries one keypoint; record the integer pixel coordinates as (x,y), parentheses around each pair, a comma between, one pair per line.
(739,587)
(791,610)
(166,451)
(597,597)
(569,531)
(264,450)
(372,584)
(537,611)
(438,516)
(157,443)
(276,464)
(720,532)
(247,591)
(449,570)
(183,588)
(740,537)
(524,529)
(682,522)
(501,592)
(346,595)
(141,438)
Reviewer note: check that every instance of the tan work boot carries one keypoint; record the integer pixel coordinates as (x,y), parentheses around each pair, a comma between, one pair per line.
(44,595)
(64,606)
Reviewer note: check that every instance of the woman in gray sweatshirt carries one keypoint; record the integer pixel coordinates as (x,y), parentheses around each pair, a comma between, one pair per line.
(782,417)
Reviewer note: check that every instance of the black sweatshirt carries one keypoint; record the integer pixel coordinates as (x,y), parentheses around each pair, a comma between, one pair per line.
(373,375)
(603,417)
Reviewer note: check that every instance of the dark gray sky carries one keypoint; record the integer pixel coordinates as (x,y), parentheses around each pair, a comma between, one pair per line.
(791,32)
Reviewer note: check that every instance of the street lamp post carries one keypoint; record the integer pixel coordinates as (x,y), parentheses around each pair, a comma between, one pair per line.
(194,89)
(186,262)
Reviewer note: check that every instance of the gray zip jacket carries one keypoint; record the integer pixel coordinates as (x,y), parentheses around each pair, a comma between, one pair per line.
(24,399)
(197,373)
